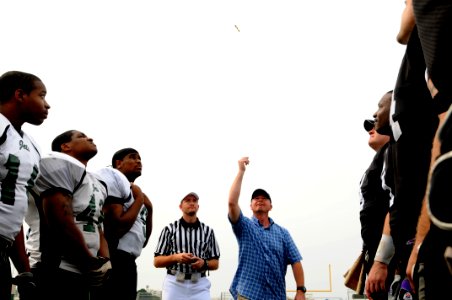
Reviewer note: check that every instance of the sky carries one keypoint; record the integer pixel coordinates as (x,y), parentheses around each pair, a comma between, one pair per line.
(195,85)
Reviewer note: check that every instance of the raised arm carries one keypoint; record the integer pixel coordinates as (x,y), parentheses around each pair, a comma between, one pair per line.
(407,23)
(234,192)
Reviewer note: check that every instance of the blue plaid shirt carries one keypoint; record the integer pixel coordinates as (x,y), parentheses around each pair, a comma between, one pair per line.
(264,254)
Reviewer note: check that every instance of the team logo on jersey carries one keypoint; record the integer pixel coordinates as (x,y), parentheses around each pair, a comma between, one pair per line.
(22,145)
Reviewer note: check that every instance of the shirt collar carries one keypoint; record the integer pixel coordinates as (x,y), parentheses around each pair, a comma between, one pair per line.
(256,221)
(190,225)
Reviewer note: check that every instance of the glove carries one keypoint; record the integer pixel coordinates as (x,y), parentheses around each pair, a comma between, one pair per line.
(25,285)
(100,273)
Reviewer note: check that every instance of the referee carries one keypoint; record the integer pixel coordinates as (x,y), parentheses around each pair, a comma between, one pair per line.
(187,248)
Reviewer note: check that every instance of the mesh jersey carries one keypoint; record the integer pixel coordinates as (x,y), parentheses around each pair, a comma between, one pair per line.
(19,167)
(63,172)
(374,201)
(119,189)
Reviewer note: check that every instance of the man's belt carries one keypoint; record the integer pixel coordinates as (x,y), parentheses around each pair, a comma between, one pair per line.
(123,253)
(188,276)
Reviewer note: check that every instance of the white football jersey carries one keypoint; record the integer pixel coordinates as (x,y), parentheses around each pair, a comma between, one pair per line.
(61,171)
(132,242)
(19,167)
(119,189)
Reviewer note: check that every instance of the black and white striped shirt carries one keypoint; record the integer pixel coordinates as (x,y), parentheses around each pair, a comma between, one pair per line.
(183,237)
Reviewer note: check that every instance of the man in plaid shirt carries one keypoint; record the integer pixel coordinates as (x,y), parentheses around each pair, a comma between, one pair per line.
(265,248)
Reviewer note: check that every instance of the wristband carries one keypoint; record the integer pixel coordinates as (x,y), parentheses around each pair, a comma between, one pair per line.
(301,288)
(385,250)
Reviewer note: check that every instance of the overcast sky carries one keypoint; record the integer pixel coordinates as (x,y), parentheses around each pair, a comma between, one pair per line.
(195,85)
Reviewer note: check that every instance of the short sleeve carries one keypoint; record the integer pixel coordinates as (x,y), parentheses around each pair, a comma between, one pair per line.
(59,171)
(117,184)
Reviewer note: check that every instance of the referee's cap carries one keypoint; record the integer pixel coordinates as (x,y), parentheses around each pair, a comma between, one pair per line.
(191,194)
(261,192)
(369,125)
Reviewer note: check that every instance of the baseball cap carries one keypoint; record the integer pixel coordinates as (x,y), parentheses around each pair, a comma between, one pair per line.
(369,125)
(120,154)
(260,192)
(190,194)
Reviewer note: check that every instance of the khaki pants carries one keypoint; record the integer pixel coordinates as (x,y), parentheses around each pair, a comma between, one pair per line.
(240,297)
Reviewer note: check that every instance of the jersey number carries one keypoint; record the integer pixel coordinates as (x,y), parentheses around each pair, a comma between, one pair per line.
(8,192)
(88,215)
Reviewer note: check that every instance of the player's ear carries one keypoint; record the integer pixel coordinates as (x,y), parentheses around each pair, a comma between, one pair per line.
(65,147)
(19,94)
(117,164)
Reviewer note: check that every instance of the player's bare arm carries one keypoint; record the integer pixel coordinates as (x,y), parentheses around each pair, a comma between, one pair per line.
(18,255)
(103,247)
(59,215)
(407,23)
(121,221)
